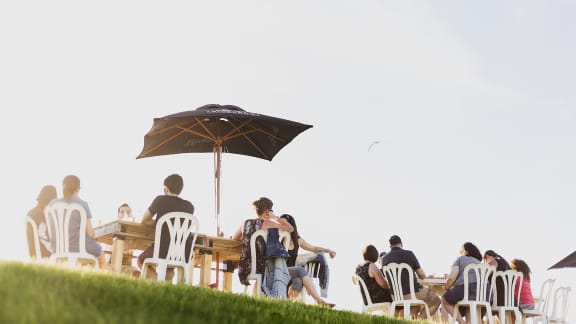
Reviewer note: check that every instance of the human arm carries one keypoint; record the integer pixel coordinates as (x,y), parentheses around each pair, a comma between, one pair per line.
(147,218)
(420,273)
(452,276)
(238,234)
(375,273)
(279,223)
(89,229)
(316,249)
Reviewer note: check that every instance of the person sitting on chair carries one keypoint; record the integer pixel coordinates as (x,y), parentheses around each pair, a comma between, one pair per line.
(317,257)
(47,194)
(170,201)
(376,283)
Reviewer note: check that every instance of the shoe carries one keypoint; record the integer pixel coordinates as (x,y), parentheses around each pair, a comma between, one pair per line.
(326,304)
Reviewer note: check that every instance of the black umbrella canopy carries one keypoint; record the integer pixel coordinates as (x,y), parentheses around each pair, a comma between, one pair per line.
(567,262)
(227,127)
(220,128)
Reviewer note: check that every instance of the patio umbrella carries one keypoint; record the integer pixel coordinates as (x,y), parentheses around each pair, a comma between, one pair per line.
(567,262)
(220,128)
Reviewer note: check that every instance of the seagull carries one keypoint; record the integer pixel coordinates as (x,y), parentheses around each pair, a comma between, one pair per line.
(372,144)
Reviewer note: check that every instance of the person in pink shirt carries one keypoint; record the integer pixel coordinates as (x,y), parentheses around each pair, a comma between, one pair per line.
(526,298)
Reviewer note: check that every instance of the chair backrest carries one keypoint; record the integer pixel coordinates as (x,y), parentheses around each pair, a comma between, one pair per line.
(357,280)
(394,273)
(543,301)
(510,279)
(560,305)
(284,237)
(58,215)
(481,272)
(34,245)
(181,227)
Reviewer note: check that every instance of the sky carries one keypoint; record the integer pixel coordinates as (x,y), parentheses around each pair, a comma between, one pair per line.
(471,106)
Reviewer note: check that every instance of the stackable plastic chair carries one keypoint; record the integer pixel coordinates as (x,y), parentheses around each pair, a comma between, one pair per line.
(58,215)
(257,277)
(540,311)
(510,278)
(181,226)
(369,306)
(34,250)
(560,305)
(394,273)
(475,303)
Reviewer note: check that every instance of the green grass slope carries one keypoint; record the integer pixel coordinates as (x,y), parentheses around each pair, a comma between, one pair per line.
(33,293)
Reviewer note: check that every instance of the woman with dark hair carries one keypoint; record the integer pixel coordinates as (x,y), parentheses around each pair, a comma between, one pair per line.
(374,279)
(47,194)
(297,242)
(526,298)
(469,254)
(501,264)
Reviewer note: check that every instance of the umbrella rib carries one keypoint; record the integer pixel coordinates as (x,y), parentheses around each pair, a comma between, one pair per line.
(161,143)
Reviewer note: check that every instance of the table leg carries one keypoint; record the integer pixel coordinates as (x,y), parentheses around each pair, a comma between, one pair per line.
(228,275)
(205,269)
(116,257)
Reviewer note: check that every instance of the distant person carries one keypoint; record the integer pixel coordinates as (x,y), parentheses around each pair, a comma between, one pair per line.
(47,194)
(267,220)
(297,242)
(374,279)
(398,255)
(161,205)
(469,254)
(70,190)
(501,264)
(526,298)
(125,213)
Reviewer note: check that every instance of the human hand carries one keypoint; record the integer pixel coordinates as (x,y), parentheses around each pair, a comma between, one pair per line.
(332,254)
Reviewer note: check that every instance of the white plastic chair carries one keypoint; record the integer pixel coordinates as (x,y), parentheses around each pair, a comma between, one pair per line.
(181,227)
(481,299)
(540,311)
(510,278)
(284,237)
(58,215)
(35,249)
(560,305)
(394,273)
(369,306)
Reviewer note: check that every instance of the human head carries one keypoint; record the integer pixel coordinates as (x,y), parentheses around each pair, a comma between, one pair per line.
(520,265)
(471,250)
(490,255)
(370,253)
(70,186)
(294,235)
(174,184)
(47,193)
(395,240)
(262,205)
(125,212)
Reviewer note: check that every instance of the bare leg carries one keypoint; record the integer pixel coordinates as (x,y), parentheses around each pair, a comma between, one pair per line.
(309,285)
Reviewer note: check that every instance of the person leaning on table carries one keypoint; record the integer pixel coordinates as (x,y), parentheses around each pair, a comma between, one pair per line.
(398,255)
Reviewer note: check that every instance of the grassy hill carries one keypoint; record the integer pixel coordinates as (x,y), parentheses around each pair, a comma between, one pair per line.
(33,293)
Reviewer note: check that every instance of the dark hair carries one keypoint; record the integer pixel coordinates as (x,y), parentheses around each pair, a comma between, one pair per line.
(294,236)
(521,266)
(472,251)
(370,253)
(123,205)
(491,253)
(262,205)
(47,193)
(70,185)
(174,183)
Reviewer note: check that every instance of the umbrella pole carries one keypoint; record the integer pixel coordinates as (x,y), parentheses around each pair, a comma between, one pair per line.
(217,193)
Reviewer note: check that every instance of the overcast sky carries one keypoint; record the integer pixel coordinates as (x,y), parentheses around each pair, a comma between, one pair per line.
(472,105)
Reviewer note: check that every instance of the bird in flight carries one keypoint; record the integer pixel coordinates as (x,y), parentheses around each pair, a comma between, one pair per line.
(372,144)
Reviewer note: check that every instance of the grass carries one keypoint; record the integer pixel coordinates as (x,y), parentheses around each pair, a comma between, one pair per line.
(34,293)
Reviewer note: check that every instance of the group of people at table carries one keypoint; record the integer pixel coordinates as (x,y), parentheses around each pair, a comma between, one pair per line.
(371,271)
(297,277)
